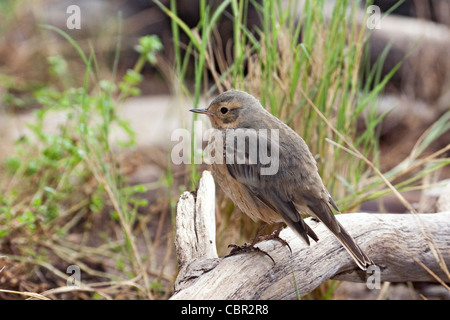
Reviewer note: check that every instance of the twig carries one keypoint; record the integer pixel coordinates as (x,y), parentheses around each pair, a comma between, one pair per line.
(25,293)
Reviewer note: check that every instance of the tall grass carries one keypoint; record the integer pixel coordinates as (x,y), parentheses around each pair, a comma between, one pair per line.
(307,70)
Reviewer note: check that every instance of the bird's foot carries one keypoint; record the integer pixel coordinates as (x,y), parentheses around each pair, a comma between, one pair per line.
(247,247)
(273,236)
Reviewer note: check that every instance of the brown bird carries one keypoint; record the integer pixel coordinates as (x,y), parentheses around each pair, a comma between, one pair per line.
(272,191)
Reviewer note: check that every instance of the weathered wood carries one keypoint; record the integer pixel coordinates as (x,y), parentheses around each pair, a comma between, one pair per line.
(195,223)
(400,244)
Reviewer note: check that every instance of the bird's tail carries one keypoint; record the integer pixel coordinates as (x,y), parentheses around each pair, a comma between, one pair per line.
(321,210)
(361,259)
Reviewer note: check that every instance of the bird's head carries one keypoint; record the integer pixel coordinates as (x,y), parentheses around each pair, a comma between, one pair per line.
(232,109)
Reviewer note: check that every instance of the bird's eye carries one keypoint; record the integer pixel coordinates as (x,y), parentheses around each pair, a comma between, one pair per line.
(223,110)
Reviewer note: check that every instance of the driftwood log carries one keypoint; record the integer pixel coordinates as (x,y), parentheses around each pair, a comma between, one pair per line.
(405,247)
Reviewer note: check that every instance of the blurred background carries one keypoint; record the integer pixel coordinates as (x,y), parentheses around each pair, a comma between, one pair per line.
(91,92)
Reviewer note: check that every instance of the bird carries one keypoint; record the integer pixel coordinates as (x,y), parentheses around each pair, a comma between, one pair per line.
(294,186)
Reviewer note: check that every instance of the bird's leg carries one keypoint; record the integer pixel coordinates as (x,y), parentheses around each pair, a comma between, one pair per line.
(273,236)
(250,247)
(256,239)
(247,247)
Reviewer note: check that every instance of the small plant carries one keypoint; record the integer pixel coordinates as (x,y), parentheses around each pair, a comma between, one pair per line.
(55,180)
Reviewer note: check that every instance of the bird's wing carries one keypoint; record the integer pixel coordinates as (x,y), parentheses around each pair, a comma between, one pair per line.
(268,188)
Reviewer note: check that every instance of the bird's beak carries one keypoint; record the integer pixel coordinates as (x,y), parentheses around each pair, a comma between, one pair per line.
(202,111)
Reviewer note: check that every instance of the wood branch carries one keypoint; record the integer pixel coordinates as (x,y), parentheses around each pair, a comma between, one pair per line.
(403,246)
(195,223)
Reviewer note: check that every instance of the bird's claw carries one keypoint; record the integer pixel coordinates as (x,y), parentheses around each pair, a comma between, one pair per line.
(273,236)
(247,247)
